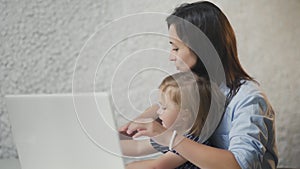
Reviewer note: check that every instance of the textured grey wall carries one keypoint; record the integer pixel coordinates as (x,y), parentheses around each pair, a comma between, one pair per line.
(40,40)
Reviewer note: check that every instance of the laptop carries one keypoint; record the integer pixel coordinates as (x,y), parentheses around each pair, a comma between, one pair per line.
(65,131)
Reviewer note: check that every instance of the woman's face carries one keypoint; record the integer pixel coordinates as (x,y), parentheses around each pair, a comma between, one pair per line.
(181,54)
(168,110)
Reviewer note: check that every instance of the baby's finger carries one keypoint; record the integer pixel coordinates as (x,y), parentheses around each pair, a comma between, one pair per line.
(135,126)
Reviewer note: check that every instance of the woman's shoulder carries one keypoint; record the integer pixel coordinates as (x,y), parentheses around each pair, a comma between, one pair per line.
(249,93)
(249,88)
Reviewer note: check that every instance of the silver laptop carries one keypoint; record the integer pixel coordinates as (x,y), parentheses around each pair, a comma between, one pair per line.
(65,131)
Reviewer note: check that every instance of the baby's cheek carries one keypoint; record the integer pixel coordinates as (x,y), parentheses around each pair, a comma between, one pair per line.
(159,111)
(172,120)
(165,121)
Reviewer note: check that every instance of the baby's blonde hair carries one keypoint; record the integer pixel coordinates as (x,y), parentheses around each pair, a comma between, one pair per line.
(190,92)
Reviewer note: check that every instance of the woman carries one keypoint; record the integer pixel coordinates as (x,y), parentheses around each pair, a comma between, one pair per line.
(245,137)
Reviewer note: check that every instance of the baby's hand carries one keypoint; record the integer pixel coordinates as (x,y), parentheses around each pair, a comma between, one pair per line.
(126,134)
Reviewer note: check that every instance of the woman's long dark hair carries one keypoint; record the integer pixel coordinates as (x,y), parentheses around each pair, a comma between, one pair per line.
(215,25)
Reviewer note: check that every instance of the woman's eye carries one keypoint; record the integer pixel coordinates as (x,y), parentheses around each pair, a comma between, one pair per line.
(175,49)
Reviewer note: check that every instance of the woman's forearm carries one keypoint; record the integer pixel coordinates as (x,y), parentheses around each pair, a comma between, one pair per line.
(204,156)
(146,164)
(129,147)
(168,160)
(136,148)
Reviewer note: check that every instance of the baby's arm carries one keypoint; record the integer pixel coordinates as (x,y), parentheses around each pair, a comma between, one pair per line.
(168,160)
(148,113)
(136,147)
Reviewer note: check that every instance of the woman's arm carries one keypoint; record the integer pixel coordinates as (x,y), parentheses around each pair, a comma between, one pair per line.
(137,147)
(200,155)
(205,156)
(168,160)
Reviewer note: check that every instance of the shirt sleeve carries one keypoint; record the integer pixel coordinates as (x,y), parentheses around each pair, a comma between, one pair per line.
(251,122)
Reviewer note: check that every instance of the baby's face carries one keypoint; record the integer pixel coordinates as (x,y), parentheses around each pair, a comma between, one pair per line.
(168,110)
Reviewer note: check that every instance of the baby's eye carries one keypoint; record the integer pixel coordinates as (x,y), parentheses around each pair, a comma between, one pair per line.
(162,107)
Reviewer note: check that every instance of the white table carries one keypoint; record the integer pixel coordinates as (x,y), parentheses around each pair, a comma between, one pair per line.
(9,164)
(14,164)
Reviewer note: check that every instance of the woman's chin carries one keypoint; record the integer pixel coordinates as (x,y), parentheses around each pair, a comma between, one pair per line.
(179,69)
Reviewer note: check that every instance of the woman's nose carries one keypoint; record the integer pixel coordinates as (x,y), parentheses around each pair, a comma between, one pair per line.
(172,57)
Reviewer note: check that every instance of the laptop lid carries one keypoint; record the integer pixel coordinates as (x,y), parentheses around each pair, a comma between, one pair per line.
(65,131)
